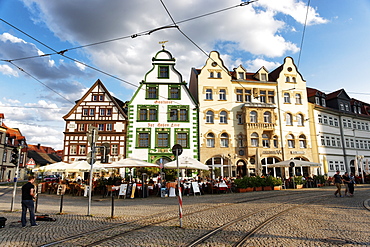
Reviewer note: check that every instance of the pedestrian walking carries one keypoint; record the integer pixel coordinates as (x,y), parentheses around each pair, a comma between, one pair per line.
(351,184)
(338,184)
(346,180)
(28,195)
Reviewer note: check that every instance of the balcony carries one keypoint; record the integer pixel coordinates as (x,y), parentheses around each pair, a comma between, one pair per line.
(261,126)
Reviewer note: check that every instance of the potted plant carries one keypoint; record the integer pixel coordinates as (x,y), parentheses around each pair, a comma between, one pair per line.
(257,183)
(298,181)
(277,182)
(268,183)
(320,180)
(243,184)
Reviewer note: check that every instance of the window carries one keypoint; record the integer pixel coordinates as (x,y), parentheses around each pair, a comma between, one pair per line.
(290,139)
(300,120)
(224,140)
(331,122)
(253,117)
(109,127)
(240,141)
(85,112)
(298,99)
(265,141)
(349,123)
(254,139)
(341,106)
(208,94)
(97,97)
(100,127)
(81,127)
(82,150)
(331,165)
(276,143)
(263,77)
(286,98)
(73,149)
(218,74)
(317,100)
(147,113)
(174,92)
(152,91)
(239,118)
(143,140)
(239,95)
(114,149)
(263,96)
(182,139)
(211,74)
(325,119)
(302,141)
(323,103)
(289,119)
(91,112)
(347,107)
(164,72)
(344,123)
(336,123)
(210,140)
(223,117)
(240,75)
(327,138)
(102,111)
(248,95)
(319,118)
(287,79)
(178,113)
(271,97)
(109,112)
(209,117)
(322,140)
(267,117)
(222,94)
(162,139)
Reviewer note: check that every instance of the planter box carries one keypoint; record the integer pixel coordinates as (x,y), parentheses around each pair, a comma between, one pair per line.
(243,190)
(258,188)
(265,188)
(277,187)
(299,186)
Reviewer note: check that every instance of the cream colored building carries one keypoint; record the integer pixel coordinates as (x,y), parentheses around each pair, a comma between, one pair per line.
(250,120)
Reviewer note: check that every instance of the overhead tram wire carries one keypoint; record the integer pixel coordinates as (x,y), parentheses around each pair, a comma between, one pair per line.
(33,77)
(303,34)
(148,32)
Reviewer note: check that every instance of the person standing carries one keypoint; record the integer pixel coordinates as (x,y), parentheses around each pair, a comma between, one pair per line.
(338,184)
(346,180)
(28,194)
(351,184)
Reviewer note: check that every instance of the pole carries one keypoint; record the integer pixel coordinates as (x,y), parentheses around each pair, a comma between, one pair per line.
(91,168)
(15,181)
(179,187)
(112,211)
(61,204)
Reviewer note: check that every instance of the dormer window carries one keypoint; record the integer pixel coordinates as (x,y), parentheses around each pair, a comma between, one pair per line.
(287,79)
(341,105)
(323,103)
(241,75)
(211,75)
(263,77)
(347,107)
(218,74)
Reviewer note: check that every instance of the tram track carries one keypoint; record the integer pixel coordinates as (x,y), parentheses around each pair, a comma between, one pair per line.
(115,231)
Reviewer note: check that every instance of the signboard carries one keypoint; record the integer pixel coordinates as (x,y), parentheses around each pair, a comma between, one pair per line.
(61,189)
(31,163)
(177,149)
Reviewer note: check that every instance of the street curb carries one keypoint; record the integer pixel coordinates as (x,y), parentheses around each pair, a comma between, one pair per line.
(367,204)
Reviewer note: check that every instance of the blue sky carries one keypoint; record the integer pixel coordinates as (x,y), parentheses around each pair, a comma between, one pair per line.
(333,56)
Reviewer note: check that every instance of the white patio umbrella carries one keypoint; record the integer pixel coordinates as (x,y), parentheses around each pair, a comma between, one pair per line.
(55,167)
(186,163)
(297,163)
(82,166)
(129,163)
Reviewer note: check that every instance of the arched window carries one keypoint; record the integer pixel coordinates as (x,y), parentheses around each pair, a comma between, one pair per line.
(209,117)
(253,117)
(302,141)
(267,117)
(211,75)
(224,140)
(223,117)
(265,141)
(254,139)
(290,139)
(289,119)
(300,120)
(218,74)
(210,140)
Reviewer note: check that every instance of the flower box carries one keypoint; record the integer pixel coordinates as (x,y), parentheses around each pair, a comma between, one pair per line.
(243,190)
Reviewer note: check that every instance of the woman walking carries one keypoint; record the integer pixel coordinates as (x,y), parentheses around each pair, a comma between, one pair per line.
(351,184)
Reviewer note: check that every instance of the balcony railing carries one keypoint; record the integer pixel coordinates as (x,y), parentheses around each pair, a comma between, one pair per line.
(264,126)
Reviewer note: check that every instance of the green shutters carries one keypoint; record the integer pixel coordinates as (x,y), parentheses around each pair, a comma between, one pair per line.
(152,91)
(147,113)
(174,92)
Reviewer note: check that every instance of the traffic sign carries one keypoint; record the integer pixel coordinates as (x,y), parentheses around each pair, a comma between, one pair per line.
(177,149)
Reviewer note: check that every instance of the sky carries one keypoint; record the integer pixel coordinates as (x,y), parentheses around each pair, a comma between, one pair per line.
(52,52)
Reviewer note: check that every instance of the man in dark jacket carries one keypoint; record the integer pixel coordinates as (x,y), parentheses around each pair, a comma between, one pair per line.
(28,194)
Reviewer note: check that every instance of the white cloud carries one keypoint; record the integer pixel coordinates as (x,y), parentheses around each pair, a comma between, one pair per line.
(7,70)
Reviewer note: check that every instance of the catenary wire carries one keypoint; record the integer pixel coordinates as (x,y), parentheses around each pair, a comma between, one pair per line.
(303,33)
